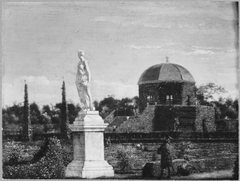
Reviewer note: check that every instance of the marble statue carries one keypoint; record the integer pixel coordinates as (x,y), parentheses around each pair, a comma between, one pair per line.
(88,133)
(83,78)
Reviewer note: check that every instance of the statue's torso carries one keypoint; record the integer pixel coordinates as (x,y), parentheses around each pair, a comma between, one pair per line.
(82,76)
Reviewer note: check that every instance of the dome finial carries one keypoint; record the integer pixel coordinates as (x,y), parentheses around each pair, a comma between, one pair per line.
(167,59)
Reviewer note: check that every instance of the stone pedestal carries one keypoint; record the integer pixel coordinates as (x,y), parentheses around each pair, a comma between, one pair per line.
(88,147)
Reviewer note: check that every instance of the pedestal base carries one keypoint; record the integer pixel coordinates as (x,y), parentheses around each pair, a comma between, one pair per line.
(88,148)
(89,169)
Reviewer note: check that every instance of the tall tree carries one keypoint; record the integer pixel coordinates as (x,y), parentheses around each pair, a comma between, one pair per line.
(35,114)
(206,93)
(72,111)
(46,108)
(26,126)
(64,120)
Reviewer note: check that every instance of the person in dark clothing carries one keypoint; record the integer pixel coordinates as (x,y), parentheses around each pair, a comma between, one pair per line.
(166,158)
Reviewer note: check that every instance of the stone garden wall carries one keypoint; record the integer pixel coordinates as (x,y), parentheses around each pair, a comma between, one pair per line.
(205,156)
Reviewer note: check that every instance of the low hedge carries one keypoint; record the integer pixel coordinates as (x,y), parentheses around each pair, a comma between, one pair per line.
(50,166)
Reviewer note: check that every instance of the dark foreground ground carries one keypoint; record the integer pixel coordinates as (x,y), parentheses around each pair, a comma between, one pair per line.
(216,175)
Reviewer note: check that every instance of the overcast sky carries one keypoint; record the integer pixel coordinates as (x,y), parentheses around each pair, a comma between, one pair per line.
(121,39)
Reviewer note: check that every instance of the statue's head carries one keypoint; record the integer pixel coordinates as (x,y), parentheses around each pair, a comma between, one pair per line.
(80,53)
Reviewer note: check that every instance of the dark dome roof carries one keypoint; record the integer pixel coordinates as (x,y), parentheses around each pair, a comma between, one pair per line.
(166,72)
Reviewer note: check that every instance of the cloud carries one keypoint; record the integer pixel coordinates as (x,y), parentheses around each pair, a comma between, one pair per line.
(40,90)
(134,21)
(212,50)
(34,80)
(102,89)
(113,19)
(202,52)
(193,50)
(196,50)
(142,47)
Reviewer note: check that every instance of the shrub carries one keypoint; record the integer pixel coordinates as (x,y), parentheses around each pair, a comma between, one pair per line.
(49,166)
(12,152)
(185,169)
(183,150)
(125,158)
(67,152)
(42,152)
(154,156)
(52,165)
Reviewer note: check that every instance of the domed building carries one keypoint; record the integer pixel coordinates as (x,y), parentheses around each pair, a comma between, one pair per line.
(166,84)
(167,91)
(167,102)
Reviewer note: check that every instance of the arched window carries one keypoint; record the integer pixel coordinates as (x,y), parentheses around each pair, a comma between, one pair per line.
(149,98)
(188,100)
(169,99)
(204,126)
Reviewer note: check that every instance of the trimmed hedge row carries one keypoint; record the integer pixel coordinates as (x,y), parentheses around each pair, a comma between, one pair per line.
(177,136)
(50,166)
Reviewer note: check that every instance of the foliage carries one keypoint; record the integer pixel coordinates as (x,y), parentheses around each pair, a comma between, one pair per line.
(184,150)
(72,112)
(96,104)
(109,102)
(46,108)
(35,114)
(26,124)
(205,93)
(154,156)
(125,158)
(64,118)
(236,168)
(50,166)
(123,107)
(223,107)
(12,152)
(67,151)
(226,108)
(19,151)
(42,152)
(186,168)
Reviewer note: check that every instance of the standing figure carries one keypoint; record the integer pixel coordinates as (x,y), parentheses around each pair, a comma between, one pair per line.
(176,124)
(83,78)
(166,158)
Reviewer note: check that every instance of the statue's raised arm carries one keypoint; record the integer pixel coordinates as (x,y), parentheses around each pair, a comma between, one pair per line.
(83,79)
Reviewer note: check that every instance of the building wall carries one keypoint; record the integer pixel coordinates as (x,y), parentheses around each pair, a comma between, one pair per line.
(191,118)
(165,118)
(205,119)
(144,91)
(181,94)
(188,94)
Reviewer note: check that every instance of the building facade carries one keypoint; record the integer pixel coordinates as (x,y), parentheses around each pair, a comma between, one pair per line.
(171,88)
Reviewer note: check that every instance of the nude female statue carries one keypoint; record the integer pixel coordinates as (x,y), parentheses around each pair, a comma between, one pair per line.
(83,78)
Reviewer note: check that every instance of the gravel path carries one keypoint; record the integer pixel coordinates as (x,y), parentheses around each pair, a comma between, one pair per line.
(216,175)
(221,174)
